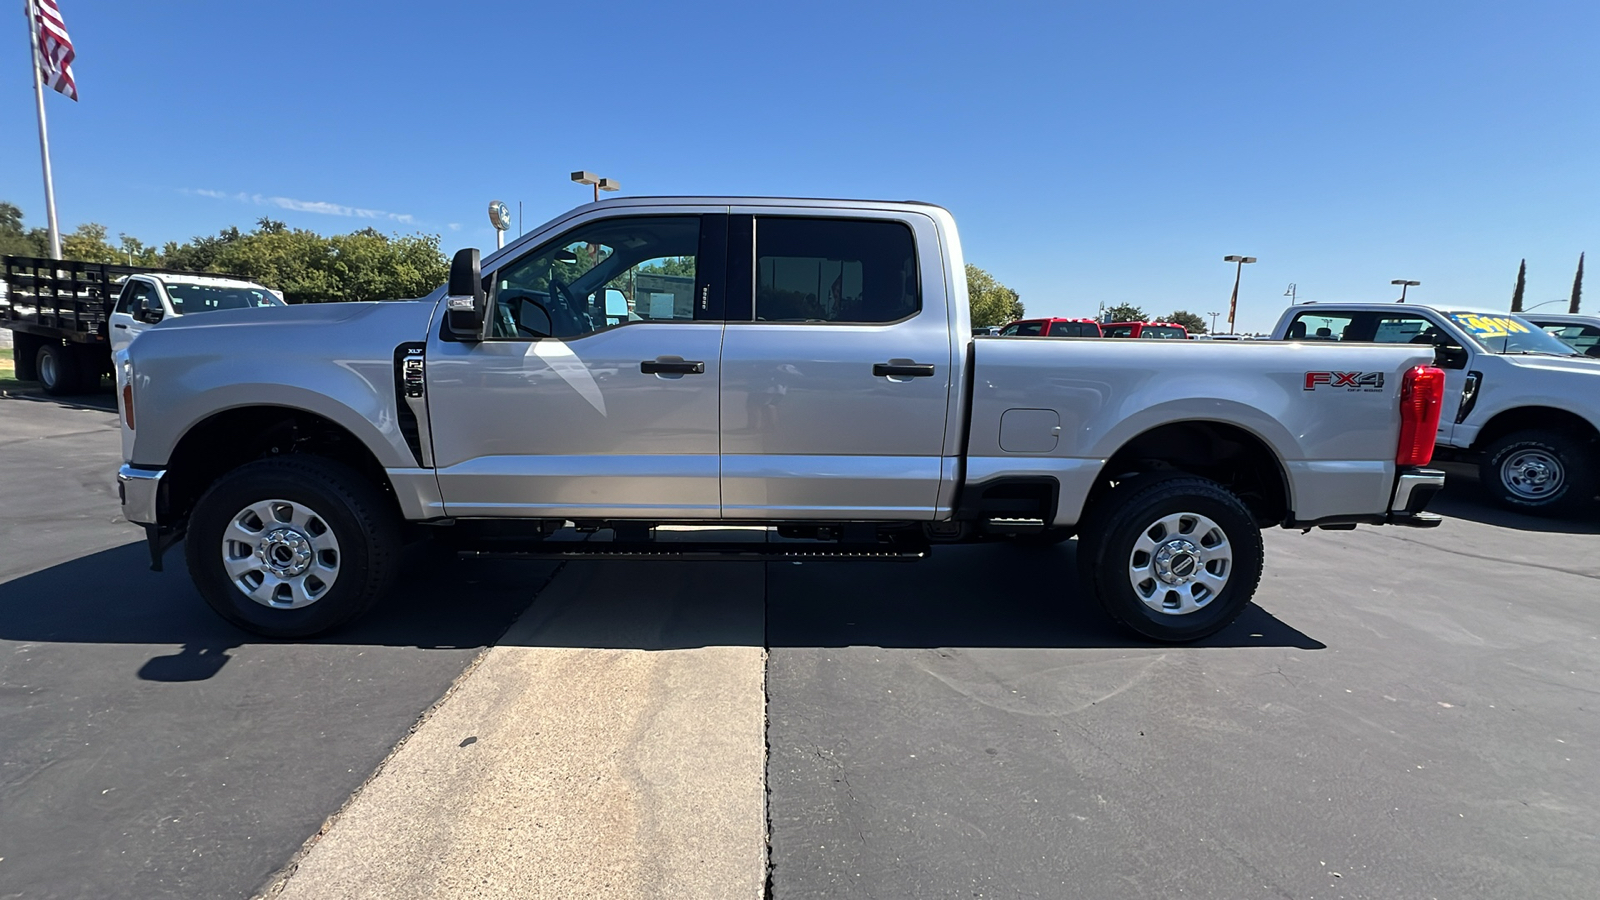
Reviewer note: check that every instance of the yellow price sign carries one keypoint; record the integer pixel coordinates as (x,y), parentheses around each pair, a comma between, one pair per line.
(1483,326)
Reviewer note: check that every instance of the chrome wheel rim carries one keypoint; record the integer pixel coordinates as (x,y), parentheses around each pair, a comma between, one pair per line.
(1532,474)
(1180,563)
(282,554)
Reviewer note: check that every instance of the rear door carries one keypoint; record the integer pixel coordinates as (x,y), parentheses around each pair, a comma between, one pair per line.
(836,367)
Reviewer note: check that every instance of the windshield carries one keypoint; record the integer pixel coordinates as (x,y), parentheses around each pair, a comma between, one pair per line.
(1509,334)
(188,299)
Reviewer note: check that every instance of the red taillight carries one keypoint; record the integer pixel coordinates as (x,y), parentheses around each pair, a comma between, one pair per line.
(1421,399)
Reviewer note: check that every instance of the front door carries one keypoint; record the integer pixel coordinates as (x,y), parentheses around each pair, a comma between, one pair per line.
(126,321)
(836,378)
(595,393)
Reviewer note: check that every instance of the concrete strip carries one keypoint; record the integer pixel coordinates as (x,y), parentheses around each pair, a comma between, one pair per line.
(612,746)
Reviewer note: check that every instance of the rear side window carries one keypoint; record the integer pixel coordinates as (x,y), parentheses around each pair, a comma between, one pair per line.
(1583,338)
(1319,327)
(1162,332)
(1119,331)
(835,270)
(1073,329)
(1023,329)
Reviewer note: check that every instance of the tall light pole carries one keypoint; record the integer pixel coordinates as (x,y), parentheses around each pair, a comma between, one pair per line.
(1292,292)
(1545,303)
(1403,285)
(599,184)
(1213,316)
(1233,303)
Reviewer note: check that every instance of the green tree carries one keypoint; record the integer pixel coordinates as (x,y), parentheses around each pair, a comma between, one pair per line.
(1522,282)
(992,302)
(674,265)
(1577,287)
(1191,322)
(1125,312)
(16,240)
(87,243)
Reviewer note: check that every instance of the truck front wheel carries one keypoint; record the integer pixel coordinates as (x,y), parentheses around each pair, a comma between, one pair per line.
(292,546)
(1174,558)
(1539,472)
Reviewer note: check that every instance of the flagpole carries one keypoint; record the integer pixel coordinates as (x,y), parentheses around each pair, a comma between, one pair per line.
(44,137)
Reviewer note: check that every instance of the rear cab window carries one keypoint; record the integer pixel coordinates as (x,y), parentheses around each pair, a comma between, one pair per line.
(856,271)
(1163,332)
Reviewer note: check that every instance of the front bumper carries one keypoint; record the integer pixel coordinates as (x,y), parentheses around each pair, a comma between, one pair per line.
(140,490)
(1412,492)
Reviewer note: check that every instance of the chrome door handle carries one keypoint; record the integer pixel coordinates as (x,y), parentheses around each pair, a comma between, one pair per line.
(672,367)
(903,369)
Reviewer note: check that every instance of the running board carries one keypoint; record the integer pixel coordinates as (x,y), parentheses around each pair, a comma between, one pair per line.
(1013,526)
(749,551)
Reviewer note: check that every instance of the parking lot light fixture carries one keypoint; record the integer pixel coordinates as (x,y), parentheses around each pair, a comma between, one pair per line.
(599,184)
(1233,303)
(1403,285)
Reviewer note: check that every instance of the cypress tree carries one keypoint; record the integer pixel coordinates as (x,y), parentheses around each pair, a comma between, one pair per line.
(1522,282)
(1577,287)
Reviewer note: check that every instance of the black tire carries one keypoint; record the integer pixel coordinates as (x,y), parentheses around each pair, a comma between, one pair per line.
(1113,528)
(1545,473)
(25,355)
(361,520)
(57,368)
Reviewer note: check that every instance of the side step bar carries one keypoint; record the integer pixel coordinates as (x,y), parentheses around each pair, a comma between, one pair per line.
(778,551)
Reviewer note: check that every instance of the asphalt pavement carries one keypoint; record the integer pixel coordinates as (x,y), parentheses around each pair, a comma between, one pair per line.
(1403,714)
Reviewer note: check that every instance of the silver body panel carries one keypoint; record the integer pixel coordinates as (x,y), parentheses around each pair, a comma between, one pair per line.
(1337,447)
(787,421)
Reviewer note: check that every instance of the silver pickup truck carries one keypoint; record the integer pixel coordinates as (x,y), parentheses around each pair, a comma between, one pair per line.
(804,365)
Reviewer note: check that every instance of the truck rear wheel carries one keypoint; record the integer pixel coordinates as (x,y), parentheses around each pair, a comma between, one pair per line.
(57,366)
(25,354)
(292,546)
(1539,472)
(1175,558)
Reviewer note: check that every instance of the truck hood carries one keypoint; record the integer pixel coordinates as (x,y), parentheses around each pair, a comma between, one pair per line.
(1581,365)
(321,315)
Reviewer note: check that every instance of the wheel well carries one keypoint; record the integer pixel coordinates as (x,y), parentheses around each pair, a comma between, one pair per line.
(1224,453)
(229,439)
(1542,418)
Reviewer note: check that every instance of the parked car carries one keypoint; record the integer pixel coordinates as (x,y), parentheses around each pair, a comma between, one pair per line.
(861,420)
(1520,403)
(61,312)
(1170,331)
(1052,328)
(150,297)
(1581,333)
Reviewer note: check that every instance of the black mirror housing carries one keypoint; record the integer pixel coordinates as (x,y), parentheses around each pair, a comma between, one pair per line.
(465,302)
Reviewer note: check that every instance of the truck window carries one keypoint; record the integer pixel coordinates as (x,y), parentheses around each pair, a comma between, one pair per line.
(1404,330)
(1162,332)
(1023,329)
(607,273)
(835,270)
(131,294)
(1319,327)
(1583,338)
(1071,329)
(188,299)
(1121,331)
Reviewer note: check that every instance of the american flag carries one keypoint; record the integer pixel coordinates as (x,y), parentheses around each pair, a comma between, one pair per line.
(55,48)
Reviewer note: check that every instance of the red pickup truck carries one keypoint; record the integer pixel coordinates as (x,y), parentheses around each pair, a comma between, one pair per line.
(1052,328)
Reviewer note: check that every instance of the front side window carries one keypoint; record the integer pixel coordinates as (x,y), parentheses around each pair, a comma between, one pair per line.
(600,275)
(1074,329)
(1023,329)
(129,301)
(188,299)
(835,270)
(1121,331)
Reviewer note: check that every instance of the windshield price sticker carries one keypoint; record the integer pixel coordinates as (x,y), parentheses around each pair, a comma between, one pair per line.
(1488,326)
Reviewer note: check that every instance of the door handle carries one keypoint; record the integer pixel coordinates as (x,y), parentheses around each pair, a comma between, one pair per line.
(672,367)
(120,325)
(901,369)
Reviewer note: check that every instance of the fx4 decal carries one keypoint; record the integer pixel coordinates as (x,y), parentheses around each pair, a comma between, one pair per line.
(1366,382)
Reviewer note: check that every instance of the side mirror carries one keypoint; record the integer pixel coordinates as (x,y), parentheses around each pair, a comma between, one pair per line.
(1449,356)
(465,303)
(616,304)
(149,312)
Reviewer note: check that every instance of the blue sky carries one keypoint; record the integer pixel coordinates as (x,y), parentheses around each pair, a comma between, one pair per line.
(1090,151)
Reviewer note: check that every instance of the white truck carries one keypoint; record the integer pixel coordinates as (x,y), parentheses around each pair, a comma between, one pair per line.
(67,317)
(1520,403)
(806,366)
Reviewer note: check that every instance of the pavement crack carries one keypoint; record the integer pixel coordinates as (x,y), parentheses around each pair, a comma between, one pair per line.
(1484,557)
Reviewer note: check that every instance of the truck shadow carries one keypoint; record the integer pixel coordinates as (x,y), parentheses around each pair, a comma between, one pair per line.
(982,596)
(1463,497)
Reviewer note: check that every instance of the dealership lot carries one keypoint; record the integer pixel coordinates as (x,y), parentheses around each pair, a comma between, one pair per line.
(1404,713)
